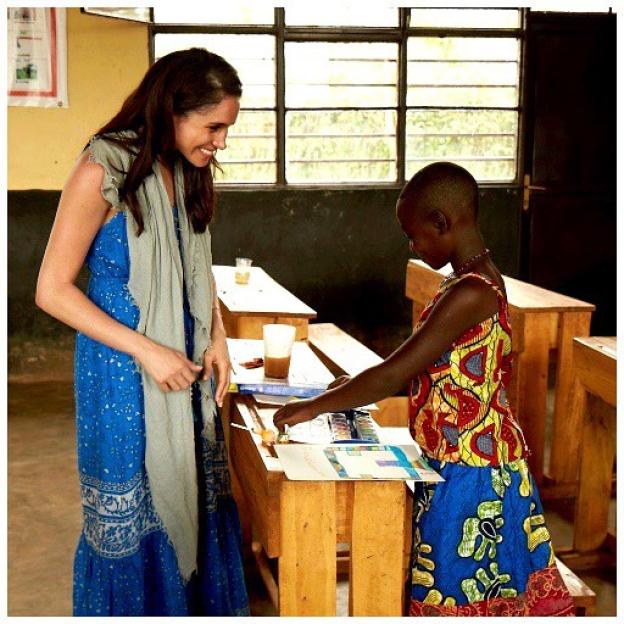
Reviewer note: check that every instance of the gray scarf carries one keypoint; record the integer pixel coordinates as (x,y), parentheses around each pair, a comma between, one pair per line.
(156,283)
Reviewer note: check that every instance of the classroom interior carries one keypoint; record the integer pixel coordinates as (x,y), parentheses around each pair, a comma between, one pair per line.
(337,248)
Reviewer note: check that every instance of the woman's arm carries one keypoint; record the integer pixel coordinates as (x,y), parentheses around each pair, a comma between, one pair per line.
(460,308)
(80,214)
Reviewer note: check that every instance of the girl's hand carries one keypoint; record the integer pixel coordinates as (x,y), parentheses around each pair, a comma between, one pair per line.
(218,356)
(339,381)
(293,413)
(171,369)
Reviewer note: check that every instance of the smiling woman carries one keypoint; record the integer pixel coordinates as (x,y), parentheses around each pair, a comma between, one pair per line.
(200,133)
(157,506)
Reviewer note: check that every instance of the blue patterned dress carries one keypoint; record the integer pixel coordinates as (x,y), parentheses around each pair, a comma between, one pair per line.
(125,563)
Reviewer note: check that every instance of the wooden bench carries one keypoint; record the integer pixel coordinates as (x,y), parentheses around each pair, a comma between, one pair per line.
(595,364)
(583,596)
(344,355)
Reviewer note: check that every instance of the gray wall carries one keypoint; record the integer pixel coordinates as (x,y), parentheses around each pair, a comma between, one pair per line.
(340,251)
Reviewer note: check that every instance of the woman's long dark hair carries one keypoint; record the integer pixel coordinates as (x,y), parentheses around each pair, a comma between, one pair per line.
(178,83)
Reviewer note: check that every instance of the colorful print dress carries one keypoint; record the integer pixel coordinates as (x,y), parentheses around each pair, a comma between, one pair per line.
(480,543)
(125,563)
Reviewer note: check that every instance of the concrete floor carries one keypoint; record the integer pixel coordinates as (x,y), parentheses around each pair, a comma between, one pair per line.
(44,516)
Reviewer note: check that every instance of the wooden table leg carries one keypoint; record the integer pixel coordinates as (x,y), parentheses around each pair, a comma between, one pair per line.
(597,455)
(532,385)
(307,562)
(376,584)
(568,415)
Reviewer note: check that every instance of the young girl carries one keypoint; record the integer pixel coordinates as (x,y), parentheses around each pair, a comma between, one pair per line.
(480,544)
(161,534)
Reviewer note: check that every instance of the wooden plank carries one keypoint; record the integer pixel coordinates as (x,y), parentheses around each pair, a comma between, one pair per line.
(344,511)
(259,476)
(348,355)
(568,410)
(262,296)
(595,362)
(377,542)
(583,596)
(265,573)
(307,563)
(521,295)
(531,388)
(589,560)
(422,282)
(597,456)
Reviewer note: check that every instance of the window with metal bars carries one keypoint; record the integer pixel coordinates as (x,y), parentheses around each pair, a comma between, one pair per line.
(357,97)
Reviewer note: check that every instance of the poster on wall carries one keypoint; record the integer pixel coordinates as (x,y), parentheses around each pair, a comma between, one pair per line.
(37,57)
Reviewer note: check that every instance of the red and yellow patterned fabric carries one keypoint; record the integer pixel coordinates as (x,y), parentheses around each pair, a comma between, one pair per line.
(480,541)
(459,410)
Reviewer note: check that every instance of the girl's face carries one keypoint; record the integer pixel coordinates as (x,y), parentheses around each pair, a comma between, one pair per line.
(200,133)
(425,238)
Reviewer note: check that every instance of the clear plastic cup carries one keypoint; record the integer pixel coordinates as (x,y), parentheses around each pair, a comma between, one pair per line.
(278,343)
(243,270)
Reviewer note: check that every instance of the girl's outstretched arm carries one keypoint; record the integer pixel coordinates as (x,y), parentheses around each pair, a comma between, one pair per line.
(464,305)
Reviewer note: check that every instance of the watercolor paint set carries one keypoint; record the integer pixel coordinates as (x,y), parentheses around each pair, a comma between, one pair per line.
(354,426)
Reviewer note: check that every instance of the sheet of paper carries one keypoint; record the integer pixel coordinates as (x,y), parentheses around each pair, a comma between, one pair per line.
(308,462)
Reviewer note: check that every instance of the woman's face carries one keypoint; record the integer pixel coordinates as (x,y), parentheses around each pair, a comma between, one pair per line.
(200,133)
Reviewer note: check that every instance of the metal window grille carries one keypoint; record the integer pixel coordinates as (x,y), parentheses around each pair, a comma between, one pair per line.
(365,103)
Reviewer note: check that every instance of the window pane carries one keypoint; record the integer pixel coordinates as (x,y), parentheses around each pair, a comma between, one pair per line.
(341,74)
(253,56)
(305,14)
(137,14)
(463,48)
(484,142)
(250,154)
(341,146)
(213,13)
(456,71)
(465,18)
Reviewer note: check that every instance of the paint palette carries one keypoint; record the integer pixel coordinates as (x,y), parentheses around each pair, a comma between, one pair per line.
(354,426)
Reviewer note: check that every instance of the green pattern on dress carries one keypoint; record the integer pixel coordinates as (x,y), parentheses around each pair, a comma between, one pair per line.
(434,597)
(501,478)
(534,527)
(491,584)
(484,528)
(422,566)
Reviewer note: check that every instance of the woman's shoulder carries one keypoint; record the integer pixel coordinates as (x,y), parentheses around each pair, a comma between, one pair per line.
(114,153)
(113,149)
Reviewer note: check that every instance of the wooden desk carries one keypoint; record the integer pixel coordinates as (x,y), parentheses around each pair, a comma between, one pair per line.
(595,361)
(541,321)
(245,308)
(300,523)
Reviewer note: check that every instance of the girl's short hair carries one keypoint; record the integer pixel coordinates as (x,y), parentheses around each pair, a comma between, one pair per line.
(176,84)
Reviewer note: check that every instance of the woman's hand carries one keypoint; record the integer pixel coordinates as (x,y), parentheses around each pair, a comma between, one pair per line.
(218,356)
(293,413)
(171,369)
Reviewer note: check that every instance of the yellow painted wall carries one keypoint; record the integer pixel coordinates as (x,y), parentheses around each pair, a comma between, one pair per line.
(106,59)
